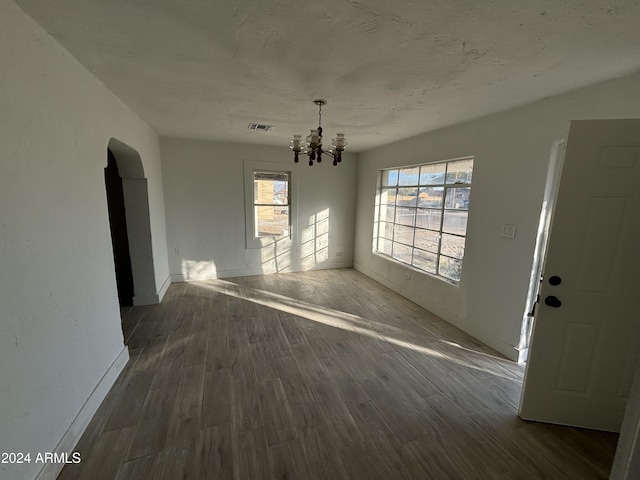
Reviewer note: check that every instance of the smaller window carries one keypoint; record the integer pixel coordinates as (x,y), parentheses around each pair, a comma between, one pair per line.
(271,204)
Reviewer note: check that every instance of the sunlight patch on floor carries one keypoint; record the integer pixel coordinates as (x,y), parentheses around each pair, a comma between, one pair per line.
(332,318)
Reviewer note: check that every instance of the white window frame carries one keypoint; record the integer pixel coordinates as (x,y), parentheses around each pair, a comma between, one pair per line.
(250,167)
(274,205)
(382,223)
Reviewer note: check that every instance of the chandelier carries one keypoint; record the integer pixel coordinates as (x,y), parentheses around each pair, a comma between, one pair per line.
(312,147)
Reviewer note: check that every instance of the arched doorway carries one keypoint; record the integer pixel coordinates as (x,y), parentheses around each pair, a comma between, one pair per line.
(119,236)
(128,201)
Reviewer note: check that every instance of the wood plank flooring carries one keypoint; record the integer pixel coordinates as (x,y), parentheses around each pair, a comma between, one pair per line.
(317,375)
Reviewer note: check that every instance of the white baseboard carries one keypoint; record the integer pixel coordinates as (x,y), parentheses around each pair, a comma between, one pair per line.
(69,440)
(141,300)
(164,288)
(212,275)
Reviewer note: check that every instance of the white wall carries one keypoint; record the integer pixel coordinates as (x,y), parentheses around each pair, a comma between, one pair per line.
(60,330)
(511,153)
(204,191)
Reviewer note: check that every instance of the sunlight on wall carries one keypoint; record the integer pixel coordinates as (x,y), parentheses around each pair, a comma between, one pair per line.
(314,241)
(276,256)
(198,270)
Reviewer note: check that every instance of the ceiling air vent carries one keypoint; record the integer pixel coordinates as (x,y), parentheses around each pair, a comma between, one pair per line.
(260,127)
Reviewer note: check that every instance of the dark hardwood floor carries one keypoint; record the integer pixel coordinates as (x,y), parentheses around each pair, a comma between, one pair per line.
(317,375)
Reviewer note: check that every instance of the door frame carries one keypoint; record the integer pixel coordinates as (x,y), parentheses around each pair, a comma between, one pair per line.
(552,184)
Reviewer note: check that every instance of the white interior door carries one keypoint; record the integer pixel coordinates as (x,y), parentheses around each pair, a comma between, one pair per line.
(586,335)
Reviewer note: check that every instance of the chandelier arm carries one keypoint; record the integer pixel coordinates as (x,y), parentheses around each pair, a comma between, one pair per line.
(335,156)
(313,148)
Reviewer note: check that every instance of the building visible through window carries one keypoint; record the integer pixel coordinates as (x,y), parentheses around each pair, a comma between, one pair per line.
(421,216)
(271,204)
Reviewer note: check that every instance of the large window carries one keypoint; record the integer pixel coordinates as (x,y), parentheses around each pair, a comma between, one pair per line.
(421,216)
(271,203)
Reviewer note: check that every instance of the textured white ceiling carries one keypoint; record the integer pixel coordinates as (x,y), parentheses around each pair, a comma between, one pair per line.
(388,69)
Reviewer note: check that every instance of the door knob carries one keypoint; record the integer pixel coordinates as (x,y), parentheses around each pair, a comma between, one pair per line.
(555,280)
(552,301)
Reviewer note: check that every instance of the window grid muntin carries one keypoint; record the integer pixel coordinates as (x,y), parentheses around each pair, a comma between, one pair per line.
(285,177)
(398,183)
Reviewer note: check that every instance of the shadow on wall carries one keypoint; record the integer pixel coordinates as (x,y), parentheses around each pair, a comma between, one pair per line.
(276,255)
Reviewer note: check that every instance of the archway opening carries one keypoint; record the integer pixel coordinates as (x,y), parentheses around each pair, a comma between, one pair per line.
(128,202)
(119,235)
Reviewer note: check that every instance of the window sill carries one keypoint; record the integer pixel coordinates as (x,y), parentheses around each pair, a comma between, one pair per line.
(387,258)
